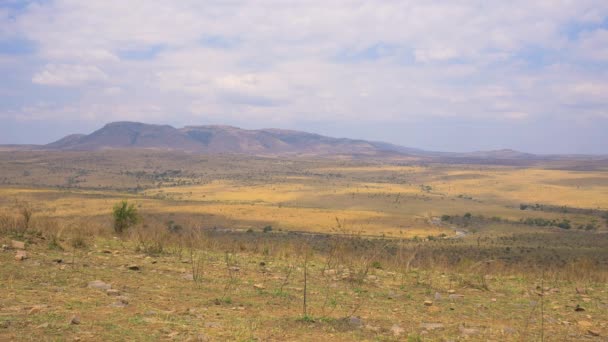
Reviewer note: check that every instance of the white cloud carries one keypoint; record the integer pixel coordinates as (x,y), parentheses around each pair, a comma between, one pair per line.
(68,75)
(263,59)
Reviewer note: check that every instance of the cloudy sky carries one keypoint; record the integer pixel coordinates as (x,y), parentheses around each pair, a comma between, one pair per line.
(443,75)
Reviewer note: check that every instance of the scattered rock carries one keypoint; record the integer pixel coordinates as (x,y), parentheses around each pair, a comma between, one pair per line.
(579,308)
(451,291)
(432,326)
(391,295)
(259,286)
(355,321)
(584,324)
(75,320)
(121,302)
(593,332)
(581,290)
(330,272)
(455,297)
(112,292)
(133,267)
(17,244)
(468,331)
(21,255)
(235,269)
(428,303)
(188,276)
(397,330)
(100,285)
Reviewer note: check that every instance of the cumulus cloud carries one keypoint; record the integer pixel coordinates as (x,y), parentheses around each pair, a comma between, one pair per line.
(68,75)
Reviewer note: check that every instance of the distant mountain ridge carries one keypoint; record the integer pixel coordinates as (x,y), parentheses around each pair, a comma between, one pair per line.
(218,139)
(215,139)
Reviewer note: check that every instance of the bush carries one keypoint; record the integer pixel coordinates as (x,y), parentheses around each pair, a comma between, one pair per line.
(125,216)
(267,229)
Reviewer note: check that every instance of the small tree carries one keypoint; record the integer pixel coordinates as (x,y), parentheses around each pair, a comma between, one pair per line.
(125,216)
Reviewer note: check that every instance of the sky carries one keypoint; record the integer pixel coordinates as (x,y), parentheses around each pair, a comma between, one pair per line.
(439,75)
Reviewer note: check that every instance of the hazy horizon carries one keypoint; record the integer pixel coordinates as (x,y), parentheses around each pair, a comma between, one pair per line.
(525,75)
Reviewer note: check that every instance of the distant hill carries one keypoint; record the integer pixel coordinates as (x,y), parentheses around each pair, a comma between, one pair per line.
(219,139)
(214,139)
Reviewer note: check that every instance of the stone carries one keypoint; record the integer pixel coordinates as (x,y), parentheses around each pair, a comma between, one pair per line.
(451,291)
(579,308)
(437,296)
(397,330)
(75,320)
(112,292)
(468,331)
(355,321)
(428,303)
(100,285)
(593,332)
(259,286)
(121,302)
(584,324)
(455,297)
(21,255)
(235,268)
(34,310)
(432,326)
(17,244)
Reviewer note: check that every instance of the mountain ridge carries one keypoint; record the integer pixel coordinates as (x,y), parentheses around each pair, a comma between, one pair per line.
(215,139)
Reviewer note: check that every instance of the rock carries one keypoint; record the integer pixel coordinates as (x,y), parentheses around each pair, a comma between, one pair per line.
(455,297)
(581,290)
(431,326)
(259,286)
(391,295)
(579,308)
(330,272)
(75,320)
(584,324)
(397,330)
(112,292)
(17,244)
(235,268)
(451,291)
(355,321)
(133,267)
(593,332)
(188,276)
(121,302)
(21,255)
(437,296)
(43,326)
(428,303)
(468,331)
(100,285)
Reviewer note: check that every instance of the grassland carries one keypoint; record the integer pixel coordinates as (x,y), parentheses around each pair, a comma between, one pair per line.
(225,241)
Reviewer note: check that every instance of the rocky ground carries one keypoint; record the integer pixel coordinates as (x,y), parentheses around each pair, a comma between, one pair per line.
(105,290)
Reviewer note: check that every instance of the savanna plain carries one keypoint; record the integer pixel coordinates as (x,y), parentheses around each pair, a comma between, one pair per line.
(241,248)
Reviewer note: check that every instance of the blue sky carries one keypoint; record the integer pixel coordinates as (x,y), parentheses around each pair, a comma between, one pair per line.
(451,76)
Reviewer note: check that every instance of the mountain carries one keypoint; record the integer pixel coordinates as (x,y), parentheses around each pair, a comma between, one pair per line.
(217,139)
(228,139)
